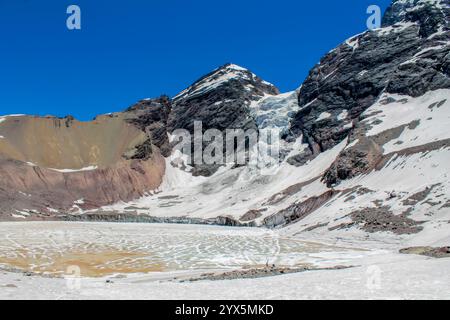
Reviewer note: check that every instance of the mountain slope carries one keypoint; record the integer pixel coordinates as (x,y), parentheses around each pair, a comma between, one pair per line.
(51,166)
(409,55)
(364,153)
(367,146)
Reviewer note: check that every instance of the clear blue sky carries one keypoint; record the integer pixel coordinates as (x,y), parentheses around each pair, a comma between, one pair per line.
(135,49)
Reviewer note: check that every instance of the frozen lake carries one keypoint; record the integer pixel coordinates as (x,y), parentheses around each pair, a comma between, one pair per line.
(101,249)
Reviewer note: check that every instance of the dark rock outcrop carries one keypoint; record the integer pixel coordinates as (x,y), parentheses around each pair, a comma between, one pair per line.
(381,219)
(151,116)
(442,252)
(409,56)
(132,217)
(220,100)
(298,211)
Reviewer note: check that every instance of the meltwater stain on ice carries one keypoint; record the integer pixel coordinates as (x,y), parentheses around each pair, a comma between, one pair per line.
(102,249)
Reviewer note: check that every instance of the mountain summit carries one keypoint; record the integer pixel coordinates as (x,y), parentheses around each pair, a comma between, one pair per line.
(226,75)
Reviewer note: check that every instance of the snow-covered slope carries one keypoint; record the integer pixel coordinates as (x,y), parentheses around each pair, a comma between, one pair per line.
(405,196)
(275,111)
(366,147)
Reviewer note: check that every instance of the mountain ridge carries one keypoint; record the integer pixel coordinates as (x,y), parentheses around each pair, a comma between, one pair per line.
(364,142)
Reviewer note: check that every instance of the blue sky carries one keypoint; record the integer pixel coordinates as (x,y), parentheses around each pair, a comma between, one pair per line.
(135,49)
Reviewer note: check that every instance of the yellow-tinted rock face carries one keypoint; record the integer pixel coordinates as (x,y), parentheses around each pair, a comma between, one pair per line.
(56,166)
(68,144)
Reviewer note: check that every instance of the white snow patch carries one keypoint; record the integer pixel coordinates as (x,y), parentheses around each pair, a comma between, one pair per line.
(431,49)
(16,216)
(353,42)
(398,27)
(352,144)
(90,168)
(216,79)
(275,111)
(31,164)
(343,115)
(323,116)
(230,192)
(432,125)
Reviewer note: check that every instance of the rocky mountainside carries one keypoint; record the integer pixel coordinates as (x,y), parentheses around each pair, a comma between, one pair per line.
(408,56)
(220,100)
(365,146)
(50,165)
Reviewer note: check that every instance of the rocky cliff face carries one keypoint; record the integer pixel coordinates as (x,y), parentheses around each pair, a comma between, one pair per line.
(221,100)
(420,65)
(51,166)
(151,116)
(409,55)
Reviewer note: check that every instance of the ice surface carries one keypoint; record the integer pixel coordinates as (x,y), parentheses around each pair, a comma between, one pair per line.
(103,249)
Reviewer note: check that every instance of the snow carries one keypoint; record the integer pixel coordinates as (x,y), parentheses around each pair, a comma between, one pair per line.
(373,273)
(216,248)
(52,210)
(353,42)
(406,175)
(89,168)
(233,192)
(23,213)
(275,111)
(3,118)
(420,3)
(216,79)
(431,49)
(352,144)
(323,116)
(362,73)
(17,216)
(441,31)
(229,192)
(398,27)
(409,6)
(348,125)
(343,115)
(79,201)
(433,121)
(386,277)
(236,67)
(378,270)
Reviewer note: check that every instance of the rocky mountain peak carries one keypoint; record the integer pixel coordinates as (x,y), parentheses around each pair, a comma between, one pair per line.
(221,99)
(431,15)
(226,75)
(408,56)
